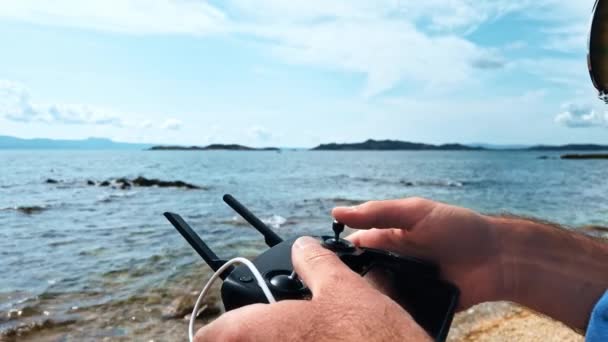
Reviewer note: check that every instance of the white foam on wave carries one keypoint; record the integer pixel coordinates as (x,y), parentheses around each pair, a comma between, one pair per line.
(28,209)
(434,183)
(275,221)
(109,197)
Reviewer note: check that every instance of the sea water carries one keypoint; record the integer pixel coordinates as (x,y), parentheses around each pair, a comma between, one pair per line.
(85,262)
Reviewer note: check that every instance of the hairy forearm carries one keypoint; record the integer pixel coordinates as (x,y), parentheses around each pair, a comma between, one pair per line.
(557,272)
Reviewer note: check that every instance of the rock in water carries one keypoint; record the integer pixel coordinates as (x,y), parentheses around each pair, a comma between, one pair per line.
(124,183)
(182,306)
(145,182)
(178,308)
(29,210)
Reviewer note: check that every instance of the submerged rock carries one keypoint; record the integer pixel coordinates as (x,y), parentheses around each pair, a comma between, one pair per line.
(29,210)
(104,183)
(123,183)
(34,326)
(27,311)
(51,181)
(90,182)
(182,306)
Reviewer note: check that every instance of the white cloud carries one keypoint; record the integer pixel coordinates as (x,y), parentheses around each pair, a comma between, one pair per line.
(171,124)
(386,41)
(568,38)
(394,41)
(515,45)
(260,133)
(128,16)
(582,115)
(563,71)
(386,51)
(16,105)
(146,124)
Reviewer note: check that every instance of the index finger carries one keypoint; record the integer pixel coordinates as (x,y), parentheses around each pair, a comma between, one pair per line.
(402,213)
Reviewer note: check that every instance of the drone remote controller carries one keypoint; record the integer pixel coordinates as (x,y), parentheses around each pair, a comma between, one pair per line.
(416,284)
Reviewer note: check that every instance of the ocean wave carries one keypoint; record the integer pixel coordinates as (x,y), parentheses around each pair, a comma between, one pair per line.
(366,179)
(596,231)
(274,221)
(412,183)
(111,197)
(22,319)
(433,183)
(346,202)
(22,328)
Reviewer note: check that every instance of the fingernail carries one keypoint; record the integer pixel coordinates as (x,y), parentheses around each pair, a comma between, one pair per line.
(351,208)
(305,242)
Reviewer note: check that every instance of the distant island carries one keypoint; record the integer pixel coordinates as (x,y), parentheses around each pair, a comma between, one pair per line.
(14,143)
(393,145)
(569,147)
(585,156)
(397,145)
(212,147)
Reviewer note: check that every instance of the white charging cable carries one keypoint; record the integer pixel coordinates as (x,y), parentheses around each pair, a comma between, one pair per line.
(258,277)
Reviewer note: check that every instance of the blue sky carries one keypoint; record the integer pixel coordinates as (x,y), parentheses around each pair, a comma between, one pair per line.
(298,73)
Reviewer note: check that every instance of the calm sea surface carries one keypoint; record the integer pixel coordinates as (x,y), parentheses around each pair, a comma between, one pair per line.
(84,262)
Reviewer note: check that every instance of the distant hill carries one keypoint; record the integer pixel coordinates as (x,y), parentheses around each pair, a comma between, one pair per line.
(212,147)
(393,145)
(7,142)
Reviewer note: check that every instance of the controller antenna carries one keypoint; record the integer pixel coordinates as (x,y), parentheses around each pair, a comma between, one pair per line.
(271,238)
(197,243)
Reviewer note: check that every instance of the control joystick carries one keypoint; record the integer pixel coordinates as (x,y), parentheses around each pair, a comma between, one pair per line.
(336,243)
(286,282)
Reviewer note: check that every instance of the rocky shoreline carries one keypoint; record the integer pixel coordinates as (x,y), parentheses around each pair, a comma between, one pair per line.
(493,322)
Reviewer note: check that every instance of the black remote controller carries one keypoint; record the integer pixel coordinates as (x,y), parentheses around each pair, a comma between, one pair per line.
(416,284)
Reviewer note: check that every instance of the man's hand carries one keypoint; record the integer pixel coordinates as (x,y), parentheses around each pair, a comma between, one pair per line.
(549,269)
(459,240)
(344,307)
